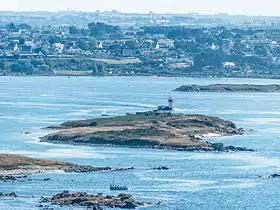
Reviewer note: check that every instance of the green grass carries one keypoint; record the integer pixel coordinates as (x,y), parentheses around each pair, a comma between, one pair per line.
(119,62)
(72,72)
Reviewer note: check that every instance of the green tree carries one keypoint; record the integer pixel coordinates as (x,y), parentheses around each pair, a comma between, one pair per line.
(82,44)
(101,68)
(94,68)
(22,67)
(53,40)
(2,65)
(22,41)
(92,43)
(74,30)
(261,50)
(11,27)
(25,26)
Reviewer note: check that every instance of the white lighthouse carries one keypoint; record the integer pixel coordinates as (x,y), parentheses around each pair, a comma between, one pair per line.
(166,109)
(171,104)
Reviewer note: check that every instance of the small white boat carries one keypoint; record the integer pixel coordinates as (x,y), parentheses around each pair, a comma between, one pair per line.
(104,114)
(115,187)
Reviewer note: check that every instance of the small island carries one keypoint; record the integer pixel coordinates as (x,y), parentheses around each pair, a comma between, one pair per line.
(99,201)
(14,167)
(158,129)
(229,88)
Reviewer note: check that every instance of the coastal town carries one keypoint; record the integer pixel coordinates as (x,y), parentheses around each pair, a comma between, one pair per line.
(113,43)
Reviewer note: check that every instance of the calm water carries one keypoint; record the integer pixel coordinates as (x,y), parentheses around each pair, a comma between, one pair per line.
(195,181)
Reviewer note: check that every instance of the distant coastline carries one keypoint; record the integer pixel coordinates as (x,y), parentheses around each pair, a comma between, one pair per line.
(230,88)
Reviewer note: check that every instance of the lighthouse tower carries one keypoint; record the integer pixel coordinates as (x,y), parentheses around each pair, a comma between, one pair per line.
(171,104)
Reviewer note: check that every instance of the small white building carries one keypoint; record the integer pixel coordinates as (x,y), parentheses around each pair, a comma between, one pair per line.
(59,48)
(229,65)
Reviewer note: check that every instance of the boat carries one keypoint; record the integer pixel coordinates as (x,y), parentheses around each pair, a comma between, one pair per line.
(115,187)
(104,114)
(118,187)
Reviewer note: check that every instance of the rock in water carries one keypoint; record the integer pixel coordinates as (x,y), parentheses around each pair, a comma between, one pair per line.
(274,176)
(97,202)
(161,168)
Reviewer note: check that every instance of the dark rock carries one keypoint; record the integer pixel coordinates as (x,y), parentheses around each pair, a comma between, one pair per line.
(40,206)
(124,169)
(47,179)
(97,202)
(218,146)
(161,168)
(240,149)
(7,178)
(274,175)
(85,169)
(130,205)
(13,194)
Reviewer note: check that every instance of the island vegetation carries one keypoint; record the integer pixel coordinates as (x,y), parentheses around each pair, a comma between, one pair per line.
(14,167)
(147,130)
(229,88)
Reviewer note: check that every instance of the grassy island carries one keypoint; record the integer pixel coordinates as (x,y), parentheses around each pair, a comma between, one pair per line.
(146,130)
(229,88)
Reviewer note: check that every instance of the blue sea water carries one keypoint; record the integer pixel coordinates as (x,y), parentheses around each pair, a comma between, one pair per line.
(197,180)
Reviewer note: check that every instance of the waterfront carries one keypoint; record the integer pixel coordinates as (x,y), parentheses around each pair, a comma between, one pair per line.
(195,181)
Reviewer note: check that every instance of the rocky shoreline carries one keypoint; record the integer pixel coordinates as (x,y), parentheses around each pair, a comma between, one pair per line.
(229,88)
(147,130)
(95,202)
(17,168)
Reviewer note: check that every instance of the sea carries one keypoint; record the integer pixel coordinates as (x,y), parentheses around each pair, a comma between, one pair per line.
(196,180)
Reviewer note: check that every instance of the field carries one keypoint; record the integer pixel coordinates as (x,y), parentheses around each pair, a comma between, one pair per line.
(72,72)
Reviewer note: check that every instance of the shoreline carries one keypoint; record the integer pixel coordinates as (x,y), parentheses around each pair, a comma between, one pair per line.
(159,76)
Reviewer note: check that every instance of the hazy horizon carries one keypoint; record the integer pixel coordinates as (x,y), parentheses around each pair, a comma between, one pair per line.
(240,7)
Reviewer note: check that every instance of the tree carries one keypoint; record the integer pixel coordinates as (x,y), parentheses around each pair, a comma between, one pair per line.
(74,30)
(98,68)
(22,41)
(2,65)
(92,43)
(94,68)
(83,45)
(53,40)
(261,50)
(22,67)
(11,27)
(25,26)
(198,62)
(101,68)
(100,29)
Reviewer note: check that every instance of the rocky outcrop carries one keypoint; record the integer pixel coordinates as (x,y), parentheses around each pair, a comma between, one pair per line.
(11,178)
(84,169)
(147,130)
(14,167)
(229,88)
(161,168)
(98,202)
(274,176)
(13,194)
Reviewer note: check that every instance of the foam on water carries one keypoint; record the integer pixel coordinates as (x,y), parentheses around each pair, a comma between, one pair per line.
(73,153)
(262,121)
(181,181)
